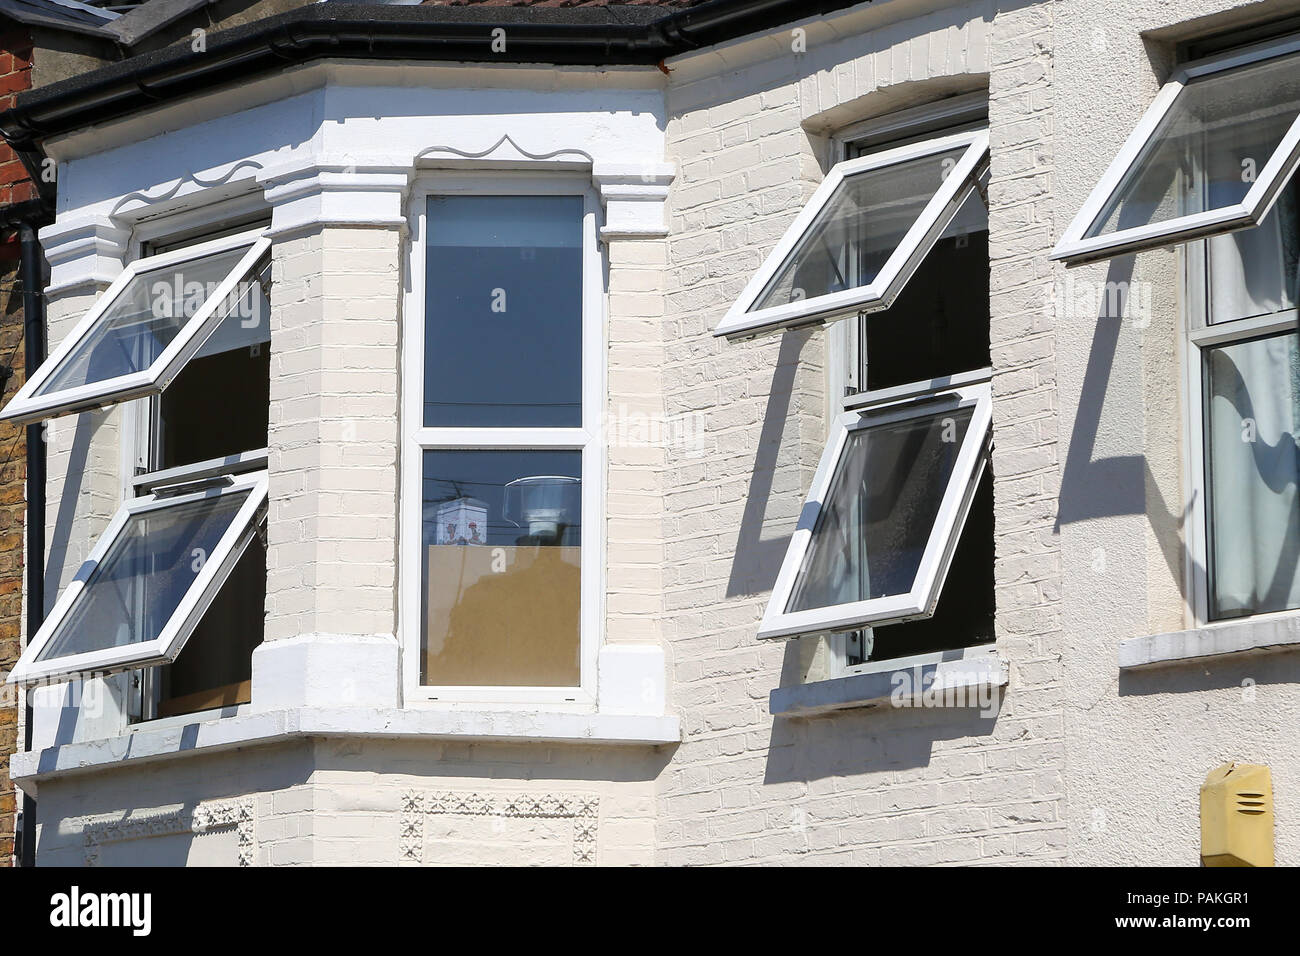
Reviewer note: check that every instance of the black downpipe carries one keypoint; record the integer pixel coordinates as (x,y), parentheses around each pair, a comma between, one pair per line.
(34,354)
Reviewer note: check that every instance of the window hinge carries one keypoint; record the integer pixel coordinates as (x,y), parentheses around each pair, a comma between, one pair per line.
(980,185)
(188,487)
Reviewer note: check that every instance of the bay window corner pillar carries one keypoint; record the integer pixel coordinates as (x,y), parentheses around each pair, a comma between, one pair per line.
(337,235)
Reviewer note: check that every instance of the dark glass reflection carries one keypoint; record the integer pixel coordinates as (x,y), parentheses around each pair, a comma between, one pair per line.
(503,307)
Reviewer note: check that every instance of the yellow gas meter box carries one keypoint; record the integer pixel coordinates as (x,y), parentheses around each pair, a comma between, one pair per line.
(1237,816)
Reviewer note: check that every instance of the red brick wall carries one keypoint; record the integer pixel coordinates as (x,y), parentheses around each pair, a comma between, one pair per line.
(15,187)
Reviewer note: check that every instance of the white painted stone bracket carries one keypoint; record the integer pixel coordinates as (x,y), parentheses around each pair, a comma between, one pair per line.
(313,194)
(84,251)
(635,197)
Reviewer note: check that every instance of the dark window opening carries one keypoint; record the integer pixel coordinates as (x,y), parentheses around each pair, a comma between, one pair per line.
(218,406)
(964,615)
(216,667)
(939,325)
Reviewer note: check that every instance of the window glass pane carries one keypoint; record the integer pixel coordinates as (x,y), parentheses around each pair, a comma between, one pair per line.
(1254,271)
(135,589)
(1205,153)
(216,667)
(1252,470)
(142,321)
(964,615)
(218,405)
(939,324)
(880,510)
(501,586)
(858,229)
(503,307)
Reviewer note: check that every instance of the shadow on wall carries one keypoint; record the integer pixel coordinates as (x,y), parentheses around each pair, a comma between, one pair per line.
(1118,486)
(878,739)
(1251,674)
(758,559)
(74,476)
(464,765)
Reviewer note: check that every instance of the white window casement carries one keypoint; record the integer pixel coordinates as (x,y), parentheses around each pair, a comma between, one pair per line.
(1211,155)
(181,566)
(892,555)
(862,235)
(1242,376)
(143,330)
(503,385)
(885,510)
(149,580)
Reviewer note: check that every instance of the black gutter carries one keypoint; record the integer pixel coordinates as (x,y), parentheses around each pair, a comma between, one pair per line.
(32,278)
(576,36)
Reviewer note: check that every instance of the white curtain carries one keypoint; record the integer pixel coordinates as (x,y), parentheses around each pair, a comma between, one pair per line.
(1253,272)
(1253,469)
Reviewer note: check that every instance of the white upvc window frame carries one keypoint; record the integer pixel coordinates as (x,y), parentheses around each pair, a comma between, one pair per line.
(201,592)
(587,439)
(1076,249)
(1198,334)
(871,409)
(741,323)
(27,407)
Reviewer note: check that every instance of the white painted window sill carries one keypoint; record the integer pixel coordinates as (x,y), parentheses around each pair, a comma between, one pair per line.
(146,743)
(949,679)
(1265,632)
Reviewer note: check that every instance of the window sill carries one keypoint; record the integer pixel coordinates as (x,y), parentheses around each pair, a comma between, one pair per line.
(948,679)
(1265,632)
(146,743)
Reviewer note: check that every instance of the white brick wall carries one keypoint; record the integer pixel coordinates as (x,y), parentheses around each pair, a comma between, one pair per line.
(875,786)
(332,525)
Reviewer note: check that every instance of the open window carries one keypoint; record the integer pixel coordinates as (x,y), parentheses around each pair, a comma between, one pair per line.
(885,511)
(1211,155)
(144,329)
(862,236)
(176,586)
(151,577)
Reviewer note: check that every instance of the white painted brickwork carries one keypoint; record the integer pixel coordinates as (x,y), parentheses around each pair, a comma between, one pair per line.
(332,530)
(861,787)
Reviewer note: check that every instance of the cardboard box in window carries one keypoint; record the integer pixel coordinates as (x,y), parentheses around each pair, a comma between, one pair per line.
(502,616)
(463,521)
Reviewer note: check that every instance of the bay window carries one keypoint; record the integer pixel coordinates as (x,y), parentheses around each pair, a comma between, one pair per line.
(500,571)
